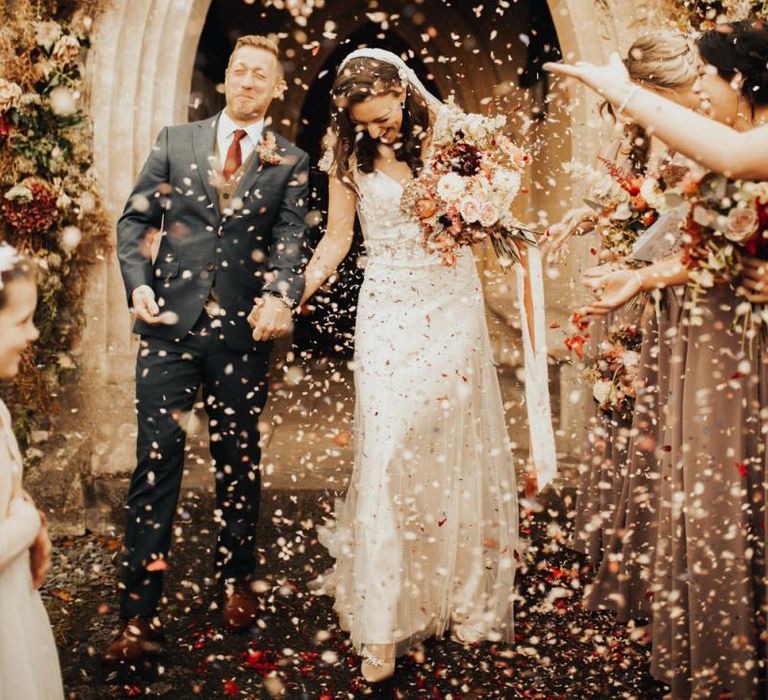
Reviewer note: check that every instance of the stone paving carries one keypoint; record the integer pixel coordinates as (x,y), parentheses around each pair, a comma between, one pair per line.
(297,650)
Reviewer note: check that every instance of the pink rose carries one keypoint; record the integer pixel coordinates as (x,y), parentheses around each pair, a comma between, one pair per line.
(741,225)
(489,215)
(470,209)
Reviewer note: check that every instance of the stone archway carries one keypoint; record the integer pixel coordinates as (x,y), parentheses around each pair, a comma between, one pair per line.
(140,73)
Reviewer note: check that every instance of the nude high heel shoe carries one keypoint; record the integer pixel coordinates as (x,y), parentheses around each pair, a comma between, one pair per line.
(378,662)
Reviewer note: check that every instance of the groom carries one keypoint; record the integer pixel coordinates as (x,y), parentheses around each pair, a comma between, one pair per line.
(211,237)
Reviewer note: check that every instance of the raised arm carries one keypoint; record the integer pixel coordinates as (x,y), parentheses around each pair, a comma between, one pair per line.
(716,146)
(336,242)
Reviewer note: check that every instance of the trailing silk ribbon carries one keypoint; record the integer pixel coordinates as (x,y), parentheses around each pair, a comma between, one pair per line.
(542,435)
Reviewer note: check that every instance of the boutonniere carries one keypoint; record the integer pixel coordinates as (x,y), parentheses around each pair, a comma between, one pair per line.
(267,150)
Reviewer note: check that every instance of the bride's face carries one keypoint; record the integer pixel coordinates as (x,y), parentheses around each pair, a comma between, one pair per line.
(381,116)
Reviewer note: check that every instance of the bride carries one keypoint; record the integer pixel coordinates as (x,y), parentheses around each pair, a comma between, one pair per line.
(426,538)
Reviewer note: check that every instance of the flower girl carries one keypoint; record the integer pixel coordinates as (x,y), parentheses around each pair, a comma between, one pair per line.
(29,665)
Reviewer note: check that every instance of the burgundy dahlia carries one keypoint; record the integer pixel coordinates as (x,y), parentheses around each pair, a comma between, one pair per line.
(31,216)
(465,159)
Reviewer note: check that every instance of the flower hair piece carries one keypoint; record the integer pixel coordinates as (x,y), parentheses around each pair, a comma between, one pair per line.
(9,256)
(407,76)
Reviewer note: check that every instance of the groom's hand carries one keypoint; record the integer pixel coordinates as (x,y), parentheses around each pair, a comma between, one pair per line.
(270,318)
(144,305)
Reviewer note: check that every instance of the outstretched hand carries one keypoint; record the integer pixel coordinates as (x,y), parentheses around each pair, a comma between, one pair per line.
(554,245)
(610,80)
(270,318)
(612,290)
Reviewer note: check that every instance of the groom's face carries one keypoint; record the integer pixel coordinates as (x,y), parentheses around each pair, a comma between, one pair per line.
(252,80)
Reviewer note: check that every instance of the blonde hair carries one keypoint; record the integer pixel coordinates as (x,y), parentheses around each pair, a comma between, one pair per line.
(258,41)
(663,59)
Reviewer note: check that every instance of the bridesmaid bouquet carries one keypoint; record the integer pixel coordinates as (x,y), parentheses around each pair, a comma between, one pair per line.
(613,373)
(727,219)
(465,192)
(628,203)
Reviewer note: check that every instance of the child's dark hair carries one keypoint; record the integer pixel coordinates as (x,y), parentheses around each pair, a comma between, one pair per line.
(18,266)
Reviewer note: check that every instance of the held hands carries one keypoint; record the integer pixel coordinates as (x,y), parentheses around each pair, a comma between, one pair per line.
(270,318)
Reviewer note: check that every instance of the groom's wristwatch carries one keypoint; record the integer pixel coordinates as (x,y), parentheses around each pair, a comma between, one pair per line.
(288,302)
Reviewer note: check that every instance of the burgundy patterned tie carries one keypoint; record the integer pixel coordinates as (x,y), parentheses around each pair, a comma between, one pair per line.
(234,155)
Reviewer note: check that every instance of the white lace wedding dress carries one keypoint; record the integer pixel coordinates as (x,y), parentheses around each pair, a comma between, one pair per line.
(426,537)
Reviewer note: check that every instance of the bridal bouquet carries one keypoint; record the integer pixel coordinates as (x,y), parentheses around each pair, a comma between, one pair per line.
(613,373)
(727,219)
(466,190)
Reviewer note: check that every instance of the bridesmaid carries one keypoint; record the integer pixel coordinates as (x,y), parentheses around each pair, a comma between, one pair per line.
(665,61)
(29,665)
(709,583)
(607,435)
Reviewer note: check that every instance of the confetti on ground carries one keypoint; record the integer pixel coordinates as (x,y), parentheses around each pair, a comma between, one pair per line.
(297,650)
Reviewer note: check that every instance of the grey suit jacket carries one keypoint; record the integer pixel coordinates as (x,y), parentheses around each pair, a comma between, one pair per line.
(255,247)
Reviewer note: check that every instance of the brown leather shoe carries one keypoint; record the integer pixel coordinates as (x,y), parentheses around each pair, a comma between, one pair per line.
(240,607)
(140,637)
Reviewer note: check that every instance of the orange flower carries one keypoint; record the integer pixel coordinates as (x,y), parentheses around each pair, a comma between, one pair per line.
(426,207)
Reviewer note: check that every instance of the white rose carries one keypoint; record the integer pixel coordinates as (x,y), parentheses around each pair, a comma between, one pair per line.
(67,49)
(474,127)
(450,187)
(741,224)
(508,182)
(489,214)
(9,95)
(47,34)
(631,358)
(470,209)
(650,192)
(19,192)
(602,391)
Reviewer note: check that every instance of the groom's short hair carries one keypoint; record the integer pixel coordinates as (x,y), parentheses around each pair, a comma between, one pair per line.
(258,41)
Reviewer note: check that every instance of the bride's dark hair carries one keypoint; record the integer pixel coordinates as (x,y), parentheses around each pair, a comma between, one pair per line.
(740,48)
(360,79)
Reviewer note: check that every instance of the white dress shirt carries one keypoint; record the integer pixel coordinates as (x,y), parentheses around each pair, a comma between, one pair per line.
(225,133)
